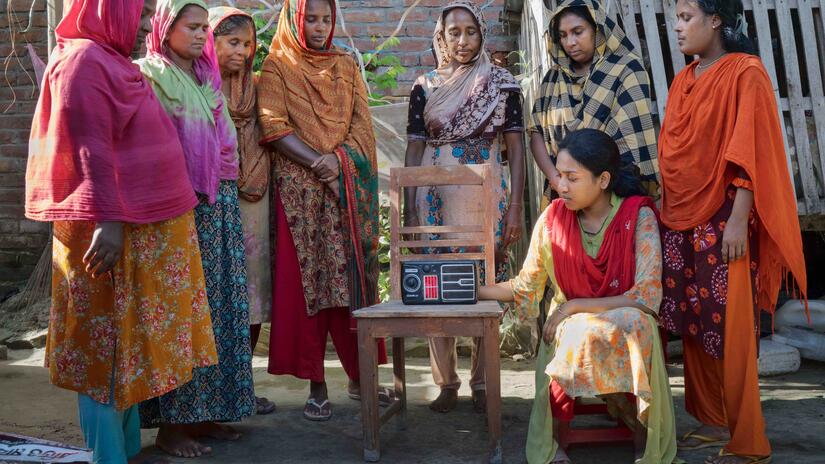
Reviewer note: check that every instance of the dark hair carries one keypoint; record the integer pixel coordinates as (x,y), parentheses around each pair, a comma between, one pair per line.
(598,153)
(732,14)
(232,23)
(581,11)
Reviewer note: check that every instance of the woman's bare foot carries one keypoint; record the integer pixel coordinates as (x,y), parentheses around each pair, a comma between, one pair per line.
(176,440)
(446,401)
(317,407)
(217,431)
(704,437)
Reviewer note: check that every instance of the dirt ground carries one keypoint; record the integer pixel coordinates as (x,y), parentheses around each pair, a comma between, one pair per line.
(794,406)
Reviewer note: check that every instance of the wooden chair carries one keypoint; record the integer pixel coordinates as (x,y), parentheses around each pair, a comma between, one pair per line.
(396,320)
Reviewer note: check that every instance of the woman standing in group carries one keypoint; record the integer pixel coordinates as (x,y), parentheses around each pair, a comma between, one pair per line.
(597,81)
(315,116)
(235,46)
(459,114)
(731,229)
(598,246)
(184,73)
(129,317)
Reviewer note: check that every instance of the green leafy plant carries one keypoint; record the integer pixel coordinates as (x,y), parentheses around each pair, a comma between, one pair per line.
(264,39)
(382,70)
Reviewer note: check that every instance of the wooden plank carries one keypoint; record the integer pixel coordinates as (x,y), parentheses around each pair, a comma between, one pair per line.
(676,56)
(490,217)
(806,24)
(442,257)
(400,378)
(442,229)
(440,175)
(629,20)
(492,369)
(368,366)
(395,226)
(396,308)
(428,327)
(391,411)
(801,141)
(763,30)
(458,242)
(654,47)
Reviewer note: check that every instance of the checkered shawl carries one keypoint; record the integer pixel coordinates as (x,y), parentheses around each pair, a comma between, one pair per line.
(614,97)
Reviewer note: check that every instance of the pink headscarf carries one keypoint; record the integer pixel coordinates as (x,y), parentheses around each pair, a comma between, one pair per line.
(198,110)
(99,136)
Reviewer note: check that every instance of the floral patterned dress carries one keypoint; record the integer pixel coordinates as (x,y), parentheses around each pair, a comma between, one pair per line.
(149,320)
(597,354)
(444,205)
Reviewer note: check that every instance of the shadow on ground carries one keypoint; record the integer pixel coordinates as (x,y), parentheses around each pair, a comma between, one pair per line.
(794,406)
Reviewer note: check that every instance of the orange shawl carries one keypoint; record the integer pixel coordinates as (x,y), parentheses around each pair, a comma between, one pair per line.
(326,98)
(725,120)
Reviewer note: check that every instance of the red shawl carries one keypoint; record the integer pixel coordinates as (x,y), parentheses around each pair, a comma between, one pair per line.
(613,271)
(100,138)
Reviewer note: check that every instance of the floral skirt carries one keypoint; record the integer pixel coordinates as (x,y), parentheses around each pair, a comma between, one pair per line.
(695,280)
(149,319)
(223,392)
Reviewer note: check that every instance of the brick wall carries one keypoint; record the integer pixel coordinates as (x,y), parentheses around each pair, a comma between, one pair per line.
(21,240)
(368,19)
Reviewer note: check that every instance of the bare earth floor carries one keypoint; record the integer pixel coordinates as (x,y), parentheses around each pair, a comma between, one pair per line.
(794,406)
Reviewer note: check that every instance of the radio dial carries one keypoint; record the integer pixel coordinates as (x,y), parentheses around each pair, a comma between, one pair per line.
(412,283)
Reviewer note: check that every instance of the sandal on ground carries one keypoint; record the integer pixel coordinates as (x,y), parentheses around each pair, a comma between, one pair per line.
(750,459)
(560,457)
(386,396)
(263,406)
(704,441)
(324,410)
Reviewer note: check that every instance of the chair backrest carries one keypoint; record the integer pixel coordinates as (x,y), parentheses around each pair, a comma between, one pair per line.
(477,235)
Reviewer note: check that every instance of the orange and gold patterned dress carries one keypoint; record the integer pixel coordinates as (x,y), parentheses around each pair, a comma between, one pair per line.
(149,319)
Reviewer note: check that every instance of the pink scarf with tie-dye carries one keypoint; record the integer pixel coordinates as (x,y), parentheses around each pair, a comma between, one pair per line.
(99,137)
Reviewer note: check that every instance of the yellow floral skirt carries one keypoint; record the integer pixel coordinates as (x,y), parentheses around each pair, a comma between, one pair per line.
(139,331)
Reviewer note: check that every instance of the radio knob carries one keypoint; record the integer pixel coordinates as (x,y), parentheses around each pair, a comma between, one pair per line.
(411,283)
(427,268)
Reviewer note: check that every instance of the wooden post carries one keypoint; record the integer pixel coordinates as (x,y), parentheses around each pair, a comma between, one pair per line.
(368,365)
(54,13)
(492,366)
(400,376)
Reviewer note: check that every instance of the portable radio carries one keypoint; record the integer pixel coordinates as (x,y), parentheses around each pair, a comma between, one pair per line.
(439,282)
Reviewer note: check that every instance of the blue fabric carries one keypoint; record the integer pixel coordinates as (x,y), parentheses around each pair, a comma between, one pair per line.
(224,392)
(113,435)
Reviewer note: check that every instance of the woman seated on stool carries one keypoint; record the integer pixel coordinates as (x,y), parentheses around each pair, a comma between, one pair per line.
(599,247)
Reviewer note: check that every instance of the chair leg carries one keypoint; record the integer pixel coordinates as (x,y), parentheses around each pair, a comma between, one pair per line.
(398,369)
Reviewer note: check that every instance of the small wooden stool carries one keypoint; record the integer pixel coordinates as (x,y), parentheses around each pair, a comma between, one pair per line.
(393,319)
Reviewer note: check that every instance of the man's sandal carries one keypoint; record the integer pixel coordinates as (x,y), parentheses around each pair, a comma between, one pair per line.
(750,459)
(324,410)
(704,441)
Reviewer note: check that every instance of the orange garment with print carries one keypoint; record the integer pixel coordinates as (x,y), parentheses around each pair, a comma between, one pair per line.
(149,319)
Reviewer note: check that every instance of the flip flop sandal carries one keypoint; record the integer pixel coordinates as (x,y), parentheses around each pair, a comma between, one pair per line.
(320,417)
(704,441)
(751,459)
(386,396)
(263,406)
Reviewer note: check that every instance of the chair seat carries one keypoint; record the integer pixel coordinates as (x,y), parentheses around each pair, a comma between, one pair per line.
(397,309)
